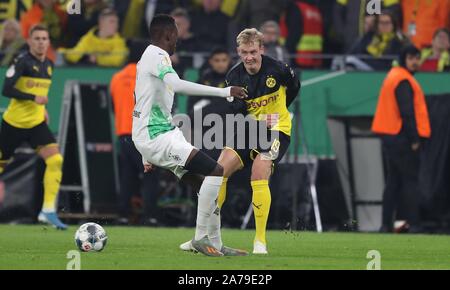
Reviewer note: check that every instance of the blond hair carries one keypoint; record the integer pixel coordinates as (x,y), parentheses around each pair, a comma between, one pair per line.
(250,36)
(16,26)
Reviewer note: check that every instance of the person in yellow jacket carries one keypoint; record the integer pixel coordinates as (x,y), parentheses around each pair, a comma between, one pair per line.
(402,120)
(102,45)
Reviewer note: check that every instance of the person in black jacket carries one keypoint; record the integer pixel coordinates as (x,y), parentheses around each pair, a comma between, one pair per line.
(210,25)
(378,48)
(401,140)
(187,44)
(214,74)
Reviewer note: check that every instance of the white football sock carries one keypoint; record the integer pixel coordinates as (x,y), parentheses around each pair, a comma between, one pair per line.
(207,203)
(214,229)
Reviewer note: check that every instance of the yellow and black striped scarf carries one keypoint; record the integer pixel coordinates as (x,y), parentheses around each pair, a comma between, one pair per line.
(379,44)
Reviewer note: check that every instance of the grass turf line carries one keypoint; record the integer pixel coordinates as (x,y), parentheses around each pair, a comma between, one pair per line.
(42,247)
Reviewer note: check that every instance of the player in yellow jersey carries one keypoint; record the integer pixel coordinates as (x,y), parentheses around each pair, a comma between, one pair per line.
(27,84)
(271,86)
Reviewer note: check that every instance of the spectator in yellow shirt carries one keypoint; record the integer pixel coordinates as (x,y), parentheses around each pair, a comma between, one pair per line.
(102,45)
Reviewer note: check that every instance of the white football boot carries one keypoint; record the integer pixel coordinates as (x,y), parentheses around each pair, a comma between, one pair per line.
(187,247)
(259,248)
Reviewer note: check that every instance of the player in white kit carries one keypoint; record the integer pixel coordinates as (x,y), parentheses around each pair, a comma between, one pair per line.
(162,144)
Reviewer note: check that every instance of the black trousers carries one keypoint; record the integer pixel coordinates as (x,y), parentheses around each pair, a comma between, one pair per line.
(133,180)
(402,186)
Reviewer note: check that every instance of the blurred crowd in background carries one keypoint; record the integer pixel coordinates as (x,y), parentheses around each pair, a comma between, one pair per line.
(310,34)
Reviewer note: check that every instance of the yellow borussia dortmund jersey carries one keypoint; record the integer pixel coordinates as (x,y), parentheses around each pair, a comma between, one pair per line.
(26,78)
(270,91)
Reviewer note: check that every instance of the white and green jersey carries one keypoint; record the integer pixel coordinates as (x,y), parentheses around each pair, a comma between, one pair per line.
(154,99)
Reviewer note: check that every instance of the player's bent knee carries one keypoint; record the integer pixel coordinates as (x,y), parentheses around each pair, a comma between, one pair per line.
(54,161)
(261,172)
(202,164)
(218,171)
(230,162)
(194,180)
(258,176)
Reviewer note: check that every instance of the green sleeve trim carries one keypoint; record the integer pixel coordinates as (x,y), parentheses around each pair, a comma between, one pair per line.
(163,70)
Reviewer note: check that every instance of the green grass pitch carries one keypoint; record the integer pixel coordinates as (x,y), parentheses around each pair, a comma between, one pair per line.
(41,247)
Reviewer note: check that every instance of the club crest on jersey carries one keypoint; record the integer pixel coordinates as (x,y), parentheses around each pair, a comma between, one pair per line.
(11,71)
(49,70)
(165,61)
(271,82)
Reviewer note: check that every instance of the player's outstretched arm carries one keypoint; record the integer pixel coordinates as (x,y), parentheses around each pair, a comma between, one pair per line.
(189,88)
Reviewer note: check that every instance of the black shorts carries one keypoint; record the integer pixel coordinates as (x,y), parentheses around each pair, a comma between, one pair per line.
(273,147)
(12,137)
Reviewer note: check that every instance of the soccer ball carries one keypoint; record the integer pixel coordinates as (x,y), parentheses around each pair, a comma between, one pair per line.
(90,237)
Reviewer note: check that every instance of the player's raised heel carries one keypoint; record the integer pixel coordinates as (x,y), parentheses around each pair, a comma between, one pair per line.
(52,218)
(259,248)
(205,247)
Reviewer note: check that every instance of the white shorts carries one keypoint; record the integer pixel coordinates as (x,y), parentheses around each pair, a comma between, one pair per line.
(169,150)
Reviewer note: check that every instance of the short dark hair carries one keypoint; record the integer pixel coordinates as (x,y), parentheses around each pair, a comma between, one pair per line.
(410,49)
(160,24)
(37,27)
(218,50)
(137,48)
(393,20)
